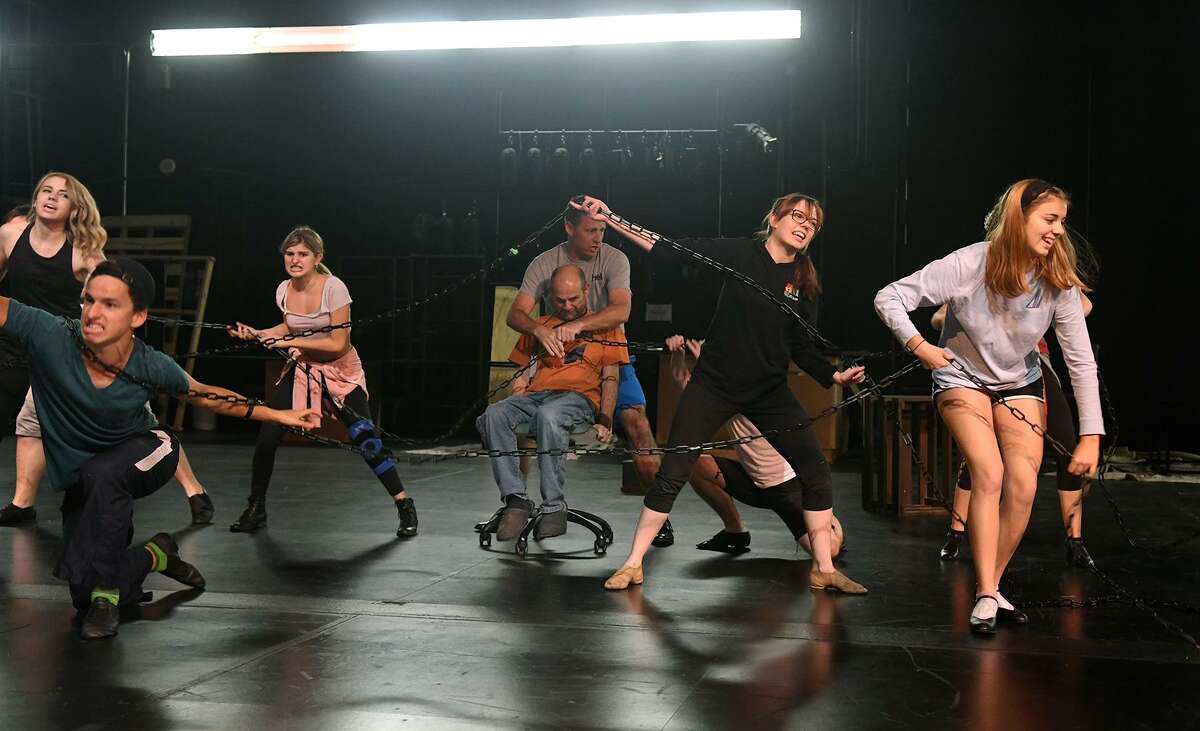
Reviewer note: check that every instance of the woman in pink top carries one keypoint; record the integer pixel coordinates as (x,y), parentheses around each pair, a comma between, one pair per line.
(324,369)
(760,476)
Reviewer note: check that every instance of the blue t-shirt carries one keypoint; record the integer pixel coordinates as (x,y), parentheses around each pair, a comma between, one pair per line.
(80,421)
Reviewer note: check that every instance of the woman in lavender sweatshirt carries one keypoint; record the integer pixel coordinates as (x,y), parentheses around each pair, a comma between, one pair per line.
(1002,296)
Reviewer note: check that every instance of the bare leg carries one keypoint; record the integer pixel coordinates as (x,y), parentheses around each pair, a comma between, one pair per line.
(818,523)
(1070,502)
(968,413)
(1022,453)
(650,522)
(708,482)
(836,538)
(187,478)
(31,464)
(637,430)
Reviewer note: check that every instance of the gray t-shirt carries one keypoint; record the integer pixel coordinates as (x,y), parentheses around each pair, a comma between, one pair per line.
(995,338)
(606,271)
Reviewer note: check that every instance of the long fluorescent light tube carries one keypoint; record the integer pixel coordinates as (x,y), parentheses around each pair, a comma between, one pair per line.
(554,32)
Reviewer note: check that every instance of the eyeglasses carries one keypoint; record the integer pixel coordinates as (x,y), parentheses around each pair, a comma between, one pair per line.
(801,218)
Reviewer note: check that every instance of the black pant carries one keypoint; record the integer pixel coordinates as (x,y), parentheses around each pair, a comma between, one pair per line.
(355,415)
(703,408)
(786,500)
(14,384)
(98,516)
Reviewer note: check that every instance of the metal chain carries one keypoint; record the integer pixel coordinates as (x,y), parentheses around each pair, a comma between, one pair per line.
(1120,593)
(385,315)
(674,449)
(658,238)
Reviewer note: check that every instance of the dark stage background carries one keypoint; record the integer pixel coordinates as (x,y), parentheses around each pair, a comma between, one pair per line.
(907,118)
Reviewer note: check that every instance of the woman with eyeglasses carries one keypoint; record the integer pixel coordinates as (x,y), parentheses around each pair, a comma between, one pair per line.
(1002,295)
(743,370)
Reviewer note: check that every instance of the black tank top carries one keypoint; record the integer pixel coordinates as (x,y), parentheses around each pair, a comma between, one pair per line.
(46,283)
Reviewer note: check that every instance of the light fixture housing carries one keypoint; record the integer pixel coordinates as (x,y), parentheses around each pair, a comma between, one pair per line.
(445,35)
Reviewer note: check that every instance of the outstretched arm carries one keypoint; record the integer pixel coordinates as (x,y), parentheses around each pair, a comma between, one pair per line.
(597,208)
(299,418)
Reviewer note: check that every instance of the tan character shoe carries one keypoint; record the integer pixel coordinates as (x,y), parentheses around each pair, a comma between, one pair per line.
(624,577)
(835,581)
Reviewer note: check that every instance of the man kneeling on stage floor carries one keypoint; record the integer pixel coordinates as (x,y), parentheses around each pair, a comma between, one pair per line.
(91,380)
(578,388)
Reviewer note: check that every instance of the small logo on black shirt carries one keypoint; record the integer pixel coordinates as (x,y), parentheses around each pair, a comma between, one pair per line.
(791,292)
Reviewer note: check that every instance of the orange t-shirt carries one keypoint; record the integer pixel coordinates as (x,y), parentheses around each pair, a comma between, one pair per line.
(579,370)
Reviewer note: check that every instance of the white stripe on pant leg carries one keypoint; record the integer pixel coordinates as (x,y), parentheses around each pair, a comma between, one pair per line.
(145,464)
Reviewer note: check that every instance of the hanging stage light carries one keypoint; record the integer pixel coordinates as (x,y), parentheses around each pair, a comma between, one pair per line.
(560,162)
(589,165)
(553,32)
(509,164)
(535,166)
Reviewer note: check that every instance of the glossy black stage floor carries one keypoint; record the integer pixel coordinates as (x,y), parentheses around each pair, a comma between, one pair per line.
(325,620)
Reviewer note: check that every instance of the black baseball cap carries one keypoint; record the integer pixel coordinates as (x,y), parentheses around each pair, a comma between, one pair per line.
(142,289)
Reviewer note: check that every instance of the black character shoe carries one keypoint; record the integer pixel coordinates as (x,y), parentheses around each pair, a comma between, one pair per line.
(512,521)
(551,525)
(1012,616)
(12,515)
(176,567)
(101,620)
(985,626)
(1077,554)
(252,518)
(408,518)
(665,537)
(202,509)
(950,548)
(726,542)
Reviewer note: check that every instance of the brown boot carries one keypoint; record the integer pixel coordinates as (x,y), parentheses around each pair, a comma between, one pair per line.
(624,578)
(835,581)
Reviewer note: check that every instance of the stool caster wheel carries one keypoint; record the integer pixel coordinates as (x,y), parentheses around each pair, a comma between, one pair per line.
(600,547)
(522,547)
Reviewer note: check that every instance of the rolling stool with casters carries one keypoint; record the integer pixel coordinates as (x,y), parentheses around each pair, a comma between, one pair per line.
(583,435)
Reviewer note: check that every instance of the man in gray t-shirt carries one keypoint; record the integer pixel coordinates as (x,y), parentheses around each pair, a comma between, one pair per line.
(609,302)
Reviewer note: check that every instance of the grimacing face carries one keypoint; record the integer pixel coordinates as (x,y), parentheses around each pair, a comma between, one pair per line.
(298,260)
(107,313)
(1044,224)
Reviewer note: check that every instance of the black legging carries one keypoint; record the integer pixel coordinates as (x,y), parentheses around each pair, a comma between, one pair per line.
(785,500)
(703,408)
(356,417)
(1060,424)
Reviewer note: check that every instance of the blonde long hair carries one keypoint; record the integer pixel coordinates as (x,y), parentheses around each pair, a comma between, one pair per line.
(83,225)
(804,275)
(311,240)
(1009,258)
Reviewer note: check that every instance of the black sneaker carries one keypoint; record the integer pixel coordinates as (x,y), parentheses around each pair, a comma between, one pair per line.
(12,515)
(101,620)
(953,544)
(1077,554)
(176,567)
(202,509)
(252,518)
(512,521)
(551,525)
(726,542)
(408,518)
(665,537)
